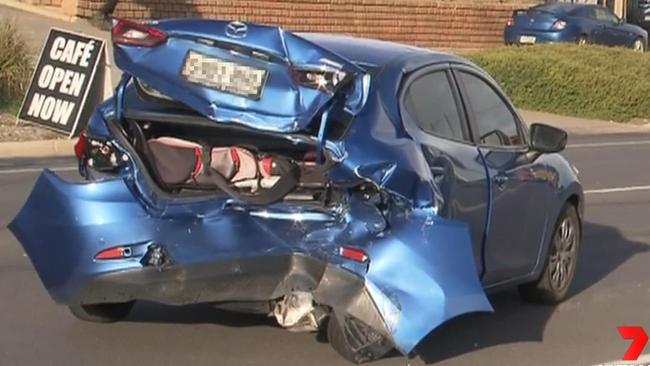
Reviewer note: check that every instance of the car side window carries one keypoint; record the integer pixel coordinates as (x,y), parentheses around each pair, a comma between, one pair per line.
(496,124)
(604,15)
(430,102)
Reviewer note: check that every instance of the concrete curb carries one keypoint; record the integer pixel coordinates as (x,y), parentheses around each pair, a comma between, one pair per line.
(34,149)
(50,12)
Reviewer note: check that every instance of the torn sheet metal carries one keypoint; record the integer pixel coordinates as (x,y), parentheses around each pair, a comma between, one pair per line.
(282,106)
(421,270)
(422,274)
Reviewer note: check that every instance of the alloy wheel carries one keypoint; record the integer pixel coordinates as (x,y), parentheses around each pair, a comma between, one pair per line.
(563,255)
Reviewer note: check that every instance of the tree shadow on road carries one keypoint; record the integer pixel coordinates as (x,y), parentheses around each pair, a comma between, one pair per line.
(603,250)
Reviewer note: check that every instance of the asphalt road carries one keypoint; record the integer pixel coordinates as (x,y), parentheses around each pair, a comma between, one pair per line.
(612,288)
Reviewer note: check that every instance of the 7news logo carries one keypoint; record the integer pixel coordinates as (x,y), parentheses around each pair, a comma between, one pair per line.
(639,340)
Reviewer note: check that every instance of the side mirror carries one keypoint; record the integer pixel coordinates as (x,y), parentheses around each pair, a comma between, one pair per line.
(547,139)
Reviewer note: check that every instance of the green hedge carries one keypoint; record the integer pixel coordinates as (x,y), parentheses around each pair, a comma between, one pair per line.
(15,64)
(589,81)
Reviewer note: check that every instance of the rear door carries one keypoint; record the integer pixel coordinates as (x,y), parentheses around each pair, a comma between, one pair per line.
(432,114)
(519,188)
(617,33)
(612,34)
(258,76)
(589,25)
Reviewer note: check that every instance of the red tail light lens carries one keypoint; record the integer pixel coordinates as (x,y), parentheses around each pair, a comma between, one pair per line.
(114,253)
(130,33)
(80,146)
(354,254)
(510,22)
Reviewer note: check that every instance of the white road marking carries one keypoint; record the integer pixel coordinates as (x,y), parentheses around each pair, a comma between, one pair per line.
(643,360)
(617,190)
(608,144)
(36,170)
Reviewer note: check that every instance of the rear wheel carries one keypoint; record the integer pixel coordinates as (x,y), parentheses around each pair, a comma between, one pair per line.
(355,341)
(102,313)
(638,45)
(582,40)
(554,283)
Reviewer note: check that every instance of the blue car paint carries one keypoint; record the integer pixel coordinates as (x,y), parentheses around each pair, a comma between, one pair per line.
(424,263)
(284,106)
(538,21)
(425,266)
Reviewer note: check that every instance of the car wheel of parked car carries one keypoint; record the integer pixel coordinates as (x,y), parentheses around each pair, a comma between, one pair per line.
(102,313)
(582,40)
(357,343)
(554,283)
(638,45)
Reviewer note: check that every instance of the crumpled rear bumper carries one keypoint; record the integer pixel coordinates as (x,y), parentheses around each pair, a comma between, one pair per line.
(421,268)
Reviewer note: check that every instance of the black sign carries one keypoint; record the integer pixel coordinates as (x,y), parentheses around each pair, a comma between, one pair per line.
(62,80)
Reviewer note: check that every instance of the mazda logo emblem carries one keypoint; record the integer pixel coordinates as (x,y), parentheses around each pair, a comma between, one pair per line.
(236,29)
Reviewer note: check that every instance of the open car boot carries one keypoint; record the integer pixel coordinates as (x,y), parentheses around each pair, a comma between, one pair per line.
(236,171)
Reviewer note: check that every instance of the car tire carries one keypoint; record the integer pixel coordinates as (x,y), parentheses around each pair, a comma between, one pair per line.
(349,345)
(554,283)
(582,40)
(101,313)
(638,46)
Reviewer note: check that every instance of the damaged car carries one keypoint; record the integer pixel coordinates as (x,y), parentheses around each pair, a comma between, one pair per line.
(365,189)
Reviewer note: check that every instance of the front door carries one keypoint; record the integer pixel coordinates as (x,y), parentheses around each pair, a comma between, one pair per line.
(518,187)
(432,114)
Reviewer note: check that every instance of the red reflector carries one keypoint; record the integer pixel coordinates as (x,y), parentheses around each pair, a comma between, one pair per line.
(80,146)
(510,22)
(267,165)
(354,254)
(130,33)
(114,253)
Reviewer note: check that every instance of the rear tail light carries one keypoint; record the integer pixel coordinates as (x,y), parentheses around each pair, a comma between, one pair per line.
(324,80)
(98,154)
(130,33)
(510,22)
(558,25)
(354,254)
(114,253)
(80,146)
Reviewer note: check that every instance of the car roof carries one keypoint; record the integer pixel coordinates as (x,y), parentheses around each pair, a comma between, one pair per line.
(559,8)
(372,53)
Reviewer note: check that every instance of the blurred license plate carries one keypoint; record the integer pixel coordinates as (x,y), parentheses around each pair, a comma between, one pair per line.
(226,76)
(527,39)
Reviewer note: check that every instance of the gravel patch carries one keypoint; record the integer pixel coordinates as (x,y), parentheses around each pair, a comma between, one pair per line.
(9,131)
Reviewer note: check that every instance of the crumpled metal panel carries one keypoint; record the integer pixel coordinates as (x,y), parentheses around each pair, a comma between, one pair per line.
(422,274)
(421,269)
(283,107)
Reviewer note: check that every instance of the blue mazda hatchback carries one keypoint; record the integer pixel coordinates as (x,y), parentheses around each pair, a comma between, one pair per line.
(365,189)
(574,23)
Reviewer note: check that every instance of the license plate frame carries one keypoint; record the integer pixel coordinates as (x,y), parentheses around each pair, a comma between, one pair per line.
(217,73)
(527,39)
